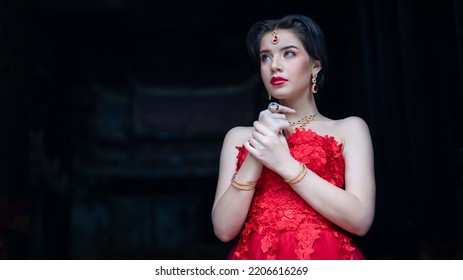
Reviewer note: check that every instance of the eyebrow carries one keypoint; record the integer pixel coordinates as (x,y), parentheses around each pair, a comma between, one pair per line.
(282,49)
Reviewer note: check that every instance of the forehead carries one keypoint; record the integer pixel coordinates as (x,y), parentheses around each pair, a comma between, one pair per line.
(285,37)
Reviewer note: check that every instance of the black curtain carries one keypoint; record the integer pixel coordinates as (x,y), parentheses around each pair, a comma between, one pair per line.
(408,83)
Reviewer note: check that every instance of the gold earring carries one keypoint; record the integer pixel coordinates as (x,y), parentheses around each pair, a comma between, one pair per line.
(314,83)
(269,96)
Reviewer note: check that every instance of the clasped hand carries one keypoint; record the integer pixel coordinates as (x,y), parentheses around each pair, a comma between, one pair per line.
(268,143)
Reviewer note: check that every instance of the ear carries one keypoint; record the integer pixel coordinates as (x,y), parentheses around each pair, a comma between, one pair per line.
(317,66)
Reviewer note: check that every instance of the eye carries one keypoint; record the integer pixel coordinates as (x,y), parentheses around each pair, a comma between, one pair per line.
(265,57)
(290,53)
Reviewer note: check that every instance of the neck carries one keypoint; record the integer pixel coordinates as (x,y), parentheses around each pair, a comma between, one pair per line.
(302,122)
(301,110)
(304,105)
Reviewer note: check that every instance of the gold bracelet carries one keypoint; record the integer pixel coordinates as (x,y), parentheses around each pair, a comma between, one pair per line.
(233,183)
(300,175)
(243,186)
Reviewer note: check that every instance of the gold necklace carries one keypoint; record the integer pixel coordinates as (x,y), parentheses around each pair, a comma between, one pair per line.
(303,122)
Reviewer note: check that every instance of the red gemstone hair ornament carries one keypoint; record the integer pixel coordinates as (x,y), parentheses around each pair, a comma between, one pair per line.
(274,36)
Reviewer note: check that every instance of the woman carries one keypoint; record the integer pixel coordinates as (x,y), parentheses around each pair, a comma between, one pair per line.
(295,185)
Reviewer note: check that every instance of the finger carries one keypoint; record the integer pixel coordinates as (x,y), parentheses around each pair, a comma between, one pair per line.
(249,147)
(260,128)
(284,109)
(255,143)
(257,137)
(277,127)
(267,117)
(278,116)
(275,123)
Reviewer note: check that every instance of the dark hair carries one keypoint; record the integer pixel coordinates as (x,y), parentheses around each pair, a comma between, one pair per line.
(306,30)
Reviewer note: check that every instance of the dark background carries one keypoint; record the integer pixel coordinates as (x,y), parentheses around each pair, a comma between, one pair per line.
(112,114)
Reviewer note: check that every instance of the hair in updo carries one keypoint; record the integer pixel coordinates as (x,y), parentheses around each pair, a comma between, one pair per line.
(305,29)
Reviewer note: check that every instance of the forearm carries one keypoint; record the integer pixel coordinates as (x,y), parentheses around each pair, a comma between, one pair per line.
(229,214)
(345,209)
(230,211)
(339,206)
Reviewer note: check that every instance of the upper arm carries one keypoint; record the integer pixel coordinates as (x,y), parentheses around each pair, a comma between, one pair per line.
(359,161)
(228,159)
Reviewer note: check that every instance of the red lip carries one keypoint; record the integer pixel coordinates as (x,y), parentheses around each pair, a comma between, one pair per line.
(277,81)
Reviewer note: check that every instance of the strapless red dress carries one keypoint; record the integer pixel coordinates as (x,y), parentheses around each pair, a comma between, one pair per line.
(280,224)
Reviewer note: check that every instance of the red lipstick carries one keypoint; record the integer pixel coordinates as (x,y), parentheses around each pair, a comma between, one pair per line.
(278,81)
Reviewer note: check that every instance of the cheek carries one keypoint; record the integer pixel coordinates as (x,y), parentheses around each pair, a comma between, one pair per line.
(265,76)
(303,70)
(303,67)
(264,73)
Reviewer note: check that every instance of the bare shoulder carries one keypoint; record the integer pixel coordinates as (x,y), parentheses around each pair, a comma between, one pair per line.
(238,135)
(235,137)
(354,131)
(353,124)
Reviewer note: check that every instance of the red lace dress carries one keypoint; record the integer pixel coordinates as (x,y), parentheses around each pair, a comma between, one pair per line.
(280,224)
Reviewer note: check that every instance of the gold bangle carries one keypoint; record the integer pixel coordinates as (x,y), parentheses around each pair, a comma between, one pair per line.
(233,183)
(243,186)
(299,176)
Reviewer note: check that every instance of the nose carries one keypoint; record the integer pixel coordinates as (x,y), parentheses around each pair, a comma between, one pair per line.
(276,64)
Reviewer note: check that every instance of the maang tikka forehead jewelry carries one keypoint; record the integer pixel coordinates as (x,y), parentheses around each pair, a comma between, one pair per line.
(274,36)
